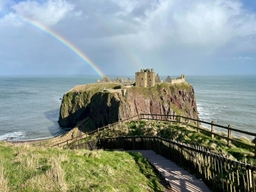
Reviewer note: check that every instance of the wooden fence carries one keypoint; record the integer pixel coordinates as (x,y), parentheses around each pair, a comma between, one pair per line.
(218,172)
(83,136)
(196,124)
(193,123)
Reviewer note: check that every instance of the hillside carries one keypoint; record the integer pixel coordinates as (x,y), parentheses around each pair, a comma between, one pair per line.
(28,168)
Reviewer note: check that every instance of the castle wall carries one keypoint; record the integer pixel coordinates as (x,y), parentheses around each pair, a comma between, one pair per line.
(141,79)
(178,81)
(151,79)
(181,79)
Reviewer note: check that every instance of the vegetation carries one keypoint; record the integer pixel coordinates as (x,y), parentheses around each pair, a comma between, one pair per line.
(87,91)
(28,168)
(182,133)
(157,89)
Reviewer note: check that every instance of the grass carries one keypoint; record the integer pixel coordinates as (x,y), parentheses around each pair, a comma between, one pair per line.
(86,92)
(182,133)
(28,168)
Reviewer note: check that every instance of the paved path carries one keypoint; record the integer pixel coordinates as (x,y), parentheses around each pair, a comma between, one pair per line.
(178,178)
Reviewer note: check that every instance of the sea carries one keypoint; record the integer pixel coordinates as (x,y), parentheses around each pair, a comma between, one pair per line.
(29,106)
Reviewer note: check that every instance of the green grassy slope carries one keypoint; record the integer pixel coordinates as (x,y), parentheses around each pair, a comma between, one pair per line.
(28,168)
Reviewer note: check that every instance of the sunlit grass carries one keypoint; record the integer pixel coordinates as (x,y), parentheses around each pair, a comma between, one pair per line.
(28,168)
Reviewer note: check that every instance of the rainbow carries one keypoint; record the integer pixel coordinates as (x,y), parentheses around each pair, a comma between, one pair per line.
(64,41)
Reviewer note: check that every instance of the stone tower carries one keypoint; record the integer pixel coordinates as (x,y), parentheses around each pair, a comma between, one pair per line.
(145,78)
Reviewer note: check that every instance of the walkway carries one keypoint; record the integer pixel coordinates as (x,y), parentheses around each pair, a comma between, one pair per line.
(178,178)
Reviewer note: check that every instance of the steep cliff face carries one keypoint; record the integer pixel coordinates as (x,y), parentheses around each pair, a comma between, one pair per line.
(103,107)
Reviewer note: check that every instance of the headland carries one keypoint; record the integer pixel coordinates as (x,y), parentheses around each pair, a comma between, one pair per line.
(109,101)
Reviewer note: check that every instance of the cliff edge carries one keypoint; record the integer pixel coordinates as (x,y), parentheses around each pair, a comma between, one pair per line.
(103,103)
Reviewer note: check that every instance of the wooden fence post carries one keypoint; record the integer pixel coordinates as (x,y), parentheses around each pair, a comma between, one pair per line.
(198,126)
(255,148)
(229,135)
(212,129)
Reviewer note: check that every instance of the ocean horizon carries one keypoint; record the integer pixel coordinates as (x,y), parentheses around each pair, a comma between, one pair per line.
(30,105)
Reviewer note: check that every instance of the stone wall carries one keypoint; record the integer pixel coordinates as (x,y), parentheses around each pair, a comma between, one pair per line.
(180,79)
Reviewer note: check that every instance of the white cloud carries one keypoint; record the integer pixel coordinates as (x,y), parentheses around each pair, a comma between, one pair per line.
(10,20)
(155,33)
(196,22)
(48,13)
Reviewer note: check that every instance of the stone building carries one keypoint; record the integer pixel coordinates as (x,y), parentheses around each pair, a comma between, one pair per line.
(145,78)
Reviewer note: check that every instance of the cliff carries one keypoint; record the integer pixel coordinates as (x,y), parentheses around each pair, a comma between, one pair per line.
(101,107)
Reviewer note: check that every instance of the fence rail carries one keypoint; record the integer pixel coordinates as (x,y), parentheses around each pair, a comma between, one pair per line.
(228,135)
(217,171)
(196,124)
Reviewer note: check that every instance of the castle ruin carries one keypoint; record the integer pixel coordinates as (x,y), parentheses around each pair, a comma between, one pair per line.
(147,78)
(143,78)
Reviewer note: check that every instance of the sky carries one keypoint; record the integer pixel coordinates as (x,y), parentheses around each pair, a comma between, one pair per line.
(120,37)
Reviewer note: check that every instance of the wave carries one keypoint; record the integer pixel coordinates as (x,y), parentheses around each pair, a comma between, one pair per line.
(20,136)
(13,136)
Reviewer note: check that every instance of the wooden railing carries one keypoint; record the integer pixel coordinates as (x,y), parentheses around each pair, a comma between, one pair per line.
(85,135)
(194,123)
(218,172)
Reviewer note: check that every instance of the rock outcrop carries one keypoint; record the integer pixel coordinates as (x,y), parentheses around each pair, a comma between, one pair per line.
(103,104)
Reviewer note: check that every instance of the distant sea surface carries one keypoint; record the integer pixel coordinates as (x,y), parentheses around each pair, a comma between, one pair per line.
(29,106)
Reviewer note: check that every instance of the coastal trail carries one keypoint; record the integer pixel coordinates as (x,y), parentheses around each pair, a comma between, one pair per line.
(179,179)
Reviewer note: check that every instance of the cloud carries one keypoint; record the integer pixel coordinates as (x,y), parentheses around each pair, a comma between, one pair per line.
(192,32)
(203,23)
(48,13)
(185,36)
